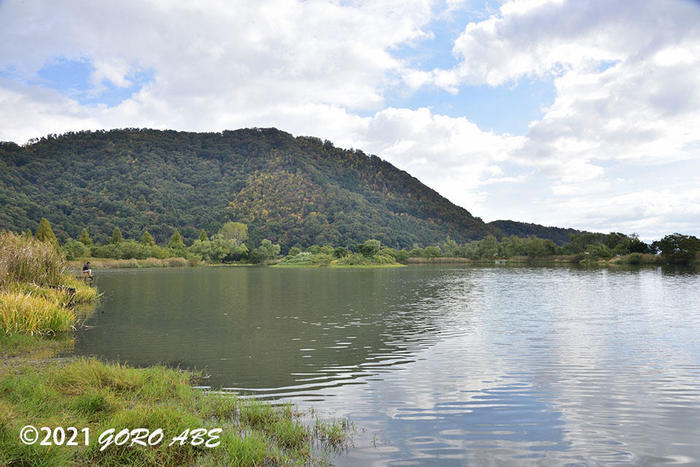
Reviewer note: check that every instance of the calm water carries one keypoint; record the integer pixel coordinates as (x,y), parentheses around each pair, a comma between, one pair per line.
(436,365)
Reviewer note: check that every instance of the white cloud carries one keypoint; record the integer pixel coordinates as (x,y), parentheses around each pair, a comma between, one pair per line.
(626,77)
(451,155)
(627,82)
(30,112)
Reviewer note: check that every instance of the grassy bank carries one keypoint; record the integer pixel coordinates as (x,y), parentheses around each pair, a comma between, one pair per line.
(38,310)
(89,394)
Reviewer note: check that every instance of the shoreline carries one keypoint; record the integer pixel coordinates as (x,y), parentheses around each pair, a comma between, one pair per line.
(632,260)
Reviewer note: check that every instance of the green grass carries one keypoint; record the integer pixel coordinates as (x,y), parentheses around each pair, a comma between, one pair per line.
(24,313)
(87,393)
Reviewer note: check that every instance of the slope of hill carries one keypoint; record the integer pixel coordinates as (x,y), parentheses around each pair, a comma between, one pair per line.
(291,190)
(523,229)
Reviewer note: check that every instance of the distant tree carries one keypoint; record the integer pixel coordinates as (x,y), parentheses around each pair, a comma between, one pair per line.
(369,247)
(488,247)
(293,251)
(678,248)
(449,247)
(44,232)
(84,238)
(28,233)
(75,249)
(272,249)
(638,246)
(175,241)
(203,235)
(116,236)
(340,252)
(432,251)
(147,239)
(234,231)
(266,250)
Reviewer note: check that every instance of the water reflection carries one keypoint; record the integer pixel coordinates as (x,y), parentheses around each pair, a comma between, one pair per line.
(437,364)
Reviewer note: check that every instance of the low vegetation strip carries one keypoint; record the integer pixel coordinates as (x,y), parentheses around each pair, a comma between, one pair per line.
(37,312)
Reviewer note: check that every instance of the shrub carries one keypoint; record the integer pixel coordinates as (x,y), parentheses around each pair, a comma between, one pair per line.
(74,249)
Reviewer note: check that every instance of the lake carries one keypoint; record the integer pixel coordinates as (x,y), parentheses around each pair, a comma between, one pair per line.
(435,365)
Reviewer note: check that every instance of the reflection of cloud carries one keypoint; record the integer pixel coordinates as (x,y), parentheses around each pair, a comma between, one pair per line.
(556,365)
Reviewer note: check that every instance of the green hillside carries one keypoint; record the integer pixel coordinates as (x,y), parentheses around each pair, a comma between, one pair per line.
(291,190)
(523,229)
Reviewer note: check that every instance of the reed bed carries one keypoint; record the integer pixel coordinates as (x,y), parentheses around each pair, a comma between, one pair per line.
(107,263)
(29,260)
(36,294)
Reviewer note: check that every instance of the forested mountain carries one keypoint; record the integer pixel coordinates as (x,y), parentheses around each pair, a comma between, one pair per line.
(291,190)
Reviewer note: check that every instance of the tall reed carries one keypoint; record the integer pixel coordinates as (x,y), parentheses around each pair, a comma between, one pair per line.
(29,260)
(24,313)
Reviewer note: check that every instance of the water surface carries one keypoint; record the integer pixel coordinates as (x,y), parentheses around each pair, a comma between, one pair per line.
(435,365)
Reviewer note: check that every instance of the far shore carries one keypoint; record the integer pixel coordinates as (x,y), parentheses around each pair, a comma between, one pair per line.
(623,260)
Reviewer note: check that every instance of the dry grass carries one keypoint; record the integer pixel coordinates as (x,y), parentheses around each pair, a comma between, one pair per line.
(106,263)
(29,260)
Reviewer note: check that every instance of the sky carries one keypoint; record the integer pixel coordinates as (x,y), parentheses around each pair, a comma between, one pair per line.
(569,113)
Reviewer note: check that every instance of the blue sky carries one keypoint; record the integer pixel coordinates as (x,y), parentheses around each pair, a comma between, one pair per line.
(577,114)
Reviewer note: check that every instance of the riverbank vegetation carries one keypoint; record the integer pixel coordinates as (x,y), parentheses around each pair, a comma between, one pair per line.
(39,308)
(232,245)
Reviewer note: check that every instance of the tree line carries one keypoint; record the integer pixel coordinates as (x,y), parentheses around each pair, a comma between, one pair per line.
(231,243)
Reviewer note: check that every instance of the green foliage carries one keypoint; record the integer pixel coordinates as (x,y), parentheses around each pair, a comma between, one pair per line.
(202,235)
(678,248)
(44,233)
(234,231)
(598,251)
(523,230)
(147,239)
(306,259)
(357,259)
(293,251)
(488,247)
(369,248)
(219,250)
(327,250)
(74,249)
(340,252)
(116,236)
(28,233)
(432,251)
(85,238)
(175,242)
(266,251)
(289,190)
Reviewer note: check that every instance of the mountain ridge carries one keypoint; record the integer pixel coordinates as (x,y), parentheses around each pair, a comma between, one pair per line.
(293,190)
